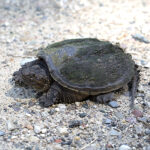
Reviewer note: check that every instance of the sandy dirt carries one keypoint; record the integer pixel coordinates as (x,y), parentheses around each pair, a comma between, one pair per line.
(28,25)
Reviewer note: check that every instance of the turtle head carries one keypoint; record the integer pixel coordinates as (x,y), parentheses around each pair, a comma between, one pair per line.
(33,74)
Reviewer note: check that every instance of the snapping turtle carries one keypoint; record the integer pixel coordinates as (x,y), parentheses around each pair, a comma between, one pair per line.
(77,69)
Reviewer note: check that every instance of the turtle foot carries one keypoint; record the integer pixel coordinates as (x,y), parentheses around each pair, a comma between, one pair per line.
(104,98)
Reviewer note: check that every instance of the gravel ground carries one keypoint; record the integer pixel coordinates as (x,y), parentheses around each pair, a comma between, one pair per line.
(28,25)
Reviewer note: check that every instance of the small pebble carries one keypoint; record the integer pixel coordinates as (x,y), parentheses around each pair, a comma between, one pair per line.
(63,130)
(113,104)
(29,126)
(147,131)
(31,103)
(34,139)
(57,147)
(119,115)
(16,108)
(2,133)
(138,130)
(124,147)
(142,119)
(82,115)
(52,111)
(140,38)
(114,132)
(92,147)
(77,104)
(69,142)
(131,119)
(37,129)
(74,123)
(107,121)
(85,105)
(44,130)
(147,147)
(62,107)
(11,126)
(137,113)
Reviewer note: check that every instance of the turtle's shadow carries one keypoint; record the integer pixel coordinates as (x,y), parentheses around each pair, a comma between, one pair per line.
(18,92)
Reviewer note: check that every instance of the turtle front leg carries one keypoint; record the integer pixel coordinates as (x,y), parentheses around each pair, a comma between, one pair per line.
(103,98)
(53,96)
(58,94)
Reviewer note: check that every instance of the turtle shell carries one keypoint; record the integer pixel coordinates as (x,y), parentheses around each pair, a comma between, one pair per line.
(88,65)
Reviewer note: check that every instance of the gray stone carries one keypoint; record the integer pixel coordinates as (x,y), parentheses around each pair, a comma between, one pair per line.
(11,126)
(114,132)
(37,129)
(138,130)
(62,107)
(34,139)
(2,133)
(124,147)
(113,104)
(107,121)
(82,115)
(119,115)
(140,38)
(92,147)
(63,130)
(147,131)
(147,147)
(74,123)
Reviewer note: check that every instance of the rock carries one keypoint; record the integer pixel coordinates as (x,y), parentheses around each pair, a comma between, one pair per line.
(31,103)
(113,104)
(138,130)
(77,138)
(29,126)
(45,114)
(74,123)
(119,115)
(108,146)
(77,104)
(131,119)
(85,105)
(62,107)
(82,115)
(2,133)
(44,130)
(69,142)
(147,148)
(15,107)
(57,147)
(37,129)
(137,113)
(91,147)
(142,119)
(63,130)
(147,131)
(124,147)
(107,121)
(11,126)
(52,111)
(34,139)
(114,132)
(140,38)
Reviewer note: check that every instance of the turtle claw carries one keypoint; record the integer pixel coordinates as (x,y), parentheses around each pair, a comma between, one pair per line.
(44,101)
(104,98)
